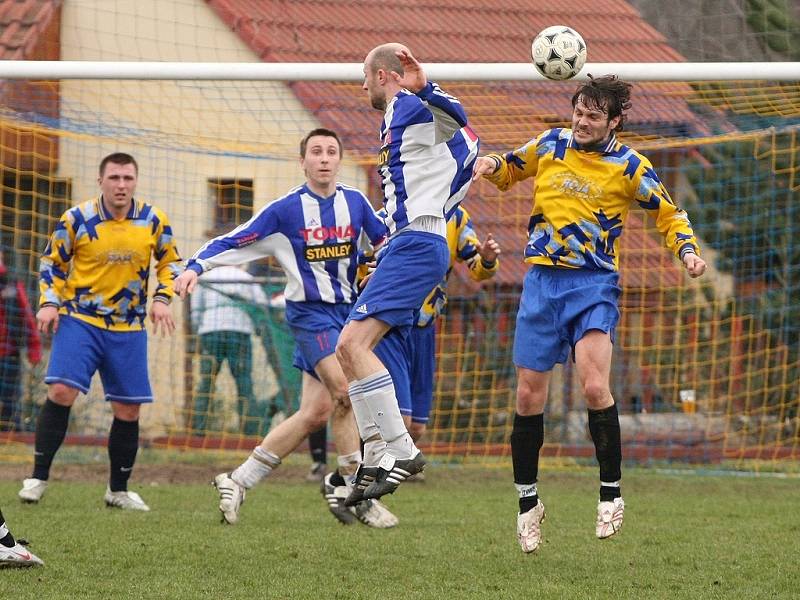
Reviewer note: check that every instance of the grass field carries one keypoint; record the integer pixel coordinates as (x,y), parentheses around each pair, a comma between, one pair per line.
(685,536)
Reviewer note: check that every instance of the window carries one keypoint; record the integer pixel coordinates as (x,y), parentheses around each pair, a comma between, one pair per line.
(232,201)
(30,206)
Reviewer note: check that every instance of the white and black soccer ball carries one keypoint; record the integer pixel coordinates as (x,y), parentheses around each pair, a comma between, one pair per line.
(558,52)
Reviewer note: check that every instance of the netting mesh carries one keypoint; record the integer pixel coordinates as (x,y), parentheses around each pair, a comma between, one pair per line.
(703,370)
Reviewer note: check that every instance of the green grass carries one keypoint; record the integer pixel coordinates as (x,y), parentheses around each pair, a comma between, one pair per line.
(685,536)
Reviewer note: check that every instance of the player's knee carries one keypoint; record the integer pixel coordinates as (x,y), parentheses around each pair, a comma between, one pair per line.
(530,401)
(126,412)
(343,352)
(61,394)
(596,392)
(316,415)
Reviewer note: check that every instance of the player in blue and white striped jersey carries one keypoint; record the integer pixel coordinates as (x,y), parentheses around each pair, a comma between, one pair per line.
(425,161)
(315,232)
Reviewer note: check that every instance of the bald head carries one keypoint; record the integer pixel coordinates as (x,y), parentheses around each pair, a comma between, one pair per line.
(385,57)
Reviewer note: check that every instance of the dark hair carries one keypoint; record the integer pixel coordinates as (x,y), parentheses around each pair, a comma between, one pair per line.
(609,94)
(320,131)
(118,158)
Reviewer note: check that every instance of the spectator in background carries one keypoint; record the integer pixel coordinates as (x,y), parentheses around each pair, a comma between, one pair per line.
(221,317)
(17,329)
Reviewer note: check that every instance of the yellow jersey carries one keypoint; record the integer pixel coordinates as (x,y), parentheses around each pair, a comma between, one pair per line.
(582,198)
(96,268)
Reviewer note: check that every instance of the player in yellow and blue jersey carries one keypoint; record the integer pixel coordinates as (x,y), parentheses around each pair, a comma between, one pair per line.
(482,262)
(585,183)
(93,280)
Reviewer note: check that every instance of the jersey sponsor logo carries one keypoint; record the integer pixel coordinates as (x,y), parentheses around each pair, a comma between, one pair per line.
(120,257)
(246,240)
(574,186)
(383,156)
(329,252)
(328,233)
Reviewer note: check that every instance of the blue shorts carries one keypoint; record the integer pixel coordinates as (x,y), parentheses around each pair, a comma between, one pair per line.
(80,349)
(394,352)
(408,269)
(558,306)
(316,327)
(422,349)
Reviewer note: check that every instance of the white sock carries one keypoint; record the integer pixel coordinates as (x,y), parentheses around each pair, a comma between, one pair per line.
(374,446)
(348,465)
(257,466)
(379,395)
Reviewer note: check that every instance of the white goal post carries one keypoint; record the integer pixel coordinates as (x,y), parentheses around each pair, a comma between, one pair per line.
(709,71)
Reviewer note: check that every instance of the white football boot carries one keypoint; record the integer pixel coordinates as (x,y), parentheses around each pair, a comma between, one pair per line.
(32,490)
(609,518)
(18,556)
(529,528)
(125,500)
(231,497)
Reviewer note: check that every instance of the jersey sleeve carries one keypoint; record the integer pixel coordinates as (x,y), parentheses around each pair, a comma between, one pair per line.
(240,245)
(517,165)
(374,224)
(448,105)
(467,243)
(168,261)
(673,222)
(54,264)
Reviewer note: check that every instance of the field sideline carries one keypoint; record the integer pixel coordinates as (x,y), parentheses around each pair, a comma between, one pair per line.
(685,536)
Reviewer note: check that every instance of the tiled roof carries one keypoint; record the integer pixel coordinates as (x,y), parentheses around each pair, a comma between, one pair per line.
(21,23)
(501,112)
(456,31)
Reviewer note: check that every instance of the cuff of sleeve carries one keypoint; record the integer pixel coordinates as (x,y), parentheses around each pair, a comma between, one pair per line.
(161,298)
(687,249)
(426,92)
(498,160)
(488,265)
(43,304)
(195,266)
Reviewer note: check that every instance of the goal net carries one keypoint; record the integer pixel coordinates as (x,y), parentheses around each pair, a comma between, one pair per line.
(704,371)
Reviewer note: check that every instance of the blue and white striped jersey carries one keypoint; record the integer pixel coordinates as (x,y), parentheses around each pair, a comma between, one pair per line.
(316,241)
(426,156)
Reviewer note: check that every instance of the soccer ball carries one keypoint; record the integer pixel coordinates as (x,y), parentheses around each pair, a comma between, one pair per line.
(558,52)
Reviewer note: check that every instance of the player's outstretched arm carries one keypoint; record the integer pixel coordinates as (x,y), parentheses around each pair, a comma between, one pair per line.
(161,316)
(185,283)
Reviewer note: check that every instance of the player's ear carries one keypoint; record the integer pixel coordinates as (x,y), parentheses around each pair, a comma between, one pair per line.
(614,123)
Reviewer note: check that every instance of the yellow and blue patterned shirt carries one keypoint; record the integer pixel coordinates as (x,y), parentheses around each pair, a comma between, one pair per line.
(96,268)
(582,197)
(463,244)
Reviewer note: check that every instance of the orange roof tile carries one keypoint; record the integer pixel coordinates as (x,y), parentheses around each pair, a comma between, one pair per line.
(21,23)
